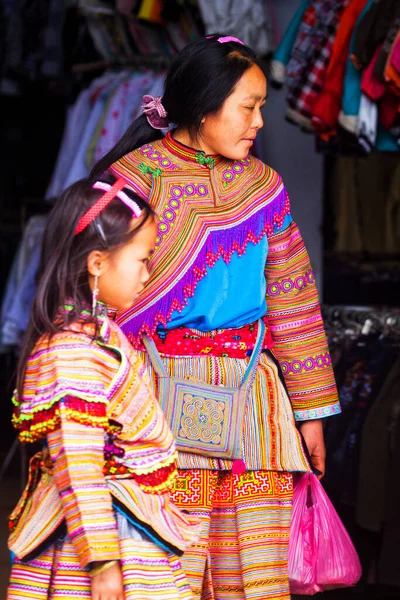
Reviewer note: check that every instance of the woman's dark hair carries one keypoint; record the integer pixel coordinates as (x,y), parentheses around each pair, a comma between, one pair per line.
(201,77)
(63,273)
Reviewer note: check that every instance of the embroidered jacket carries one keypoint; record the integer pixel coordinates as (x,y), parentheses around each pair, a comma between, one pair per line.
(109,447)
(229,253)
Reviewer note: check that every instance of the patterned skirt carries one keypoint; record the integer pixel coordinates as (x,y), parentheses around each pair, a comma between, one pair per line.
(242,552)
(148,572)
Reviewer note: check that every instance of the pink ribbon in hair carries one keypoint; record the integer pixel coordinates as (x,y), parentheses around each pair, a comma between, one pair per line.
(155,112)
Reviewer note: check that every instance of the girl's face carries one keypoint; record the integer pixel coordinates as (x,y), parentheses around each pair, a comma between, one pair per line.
(123,272)
(232,131)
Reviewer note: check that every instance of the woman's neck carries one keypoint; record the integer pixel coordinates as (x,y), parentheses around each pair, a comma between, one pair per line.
(183,136)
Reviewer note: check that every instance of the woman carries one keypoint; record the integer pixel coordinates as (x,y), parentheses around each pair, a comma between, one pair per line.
(227,254)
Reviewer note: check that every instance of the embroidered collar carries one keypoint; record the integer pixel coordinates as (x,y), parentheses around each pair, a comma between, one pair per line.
(190,154)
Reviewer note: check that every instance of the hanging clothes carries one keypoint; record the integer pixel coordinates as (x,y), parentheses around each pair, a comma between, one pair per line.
(327,106)
(351,97)
(283,52)
(310,56)
(363,442)
(245,19)
(364,196)
(330,56)
(372,29)
(21,284)
(375,454)
(97,120)
(389,564)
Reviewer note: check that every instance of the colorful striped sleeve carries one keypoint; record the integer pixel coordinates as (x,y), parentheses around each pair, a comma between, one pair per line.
(77,452)
(297,328)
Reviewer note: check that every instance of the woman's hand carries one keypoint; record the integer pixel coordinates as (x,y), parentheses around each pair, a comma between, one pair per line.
(313,435)
(108,585)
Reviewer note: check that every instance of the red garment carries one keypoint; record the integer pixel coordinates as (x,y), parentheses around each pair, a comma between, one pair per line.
(235,343)
(392,68)
(370,85)
(328,104)
(389,109)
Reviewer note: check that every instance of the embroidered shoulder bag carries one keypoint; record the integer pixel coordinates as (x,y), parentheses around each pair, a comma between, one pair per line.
(205,419)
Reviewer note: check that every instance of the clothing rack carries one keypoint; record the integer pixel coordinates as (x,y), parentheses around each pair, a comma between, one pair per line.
(363,442)
(362,319)
(158,61)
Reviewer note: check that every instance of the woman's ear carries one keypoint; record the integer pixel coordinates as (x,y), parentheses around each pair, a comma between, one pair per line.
(97,263)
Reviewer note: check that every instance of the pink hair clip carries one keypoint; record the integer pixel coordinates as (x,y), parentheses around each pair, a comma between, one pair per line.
(226,38)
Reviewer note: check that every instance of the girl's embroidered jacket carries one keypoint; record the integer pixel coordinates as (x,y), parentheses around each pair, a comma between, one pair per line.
(108,447)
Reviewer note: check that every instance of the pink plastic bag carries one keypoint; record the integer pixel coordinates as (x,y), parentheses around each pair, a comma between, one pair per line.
(321,553)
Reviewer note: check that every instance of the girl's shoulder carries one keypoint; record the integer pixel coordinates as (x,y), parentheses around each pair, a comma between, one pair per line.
(70,345)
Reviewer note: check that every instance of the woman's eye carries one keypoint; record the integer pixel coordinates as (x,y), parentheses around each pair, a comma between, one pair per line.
(250,107)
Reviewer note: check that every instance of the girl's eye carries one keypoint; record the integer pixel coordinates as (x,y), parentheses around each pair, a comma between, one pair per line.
(250,107)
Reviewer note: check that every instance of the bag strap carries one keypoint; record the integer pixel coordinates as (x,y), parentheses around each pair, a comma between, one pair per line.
(154,356)
(255,357)
(248,377)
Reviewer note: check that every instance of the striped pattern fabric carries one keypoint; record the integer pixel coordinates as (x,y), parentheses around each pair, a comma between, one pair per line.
(297,328)
(148,573)
(242,552)
(270,437)
(75,487)
(83,491)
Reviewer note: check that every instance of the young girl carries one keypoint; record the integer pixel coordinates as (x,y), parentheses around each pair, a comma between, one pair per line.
(95,520)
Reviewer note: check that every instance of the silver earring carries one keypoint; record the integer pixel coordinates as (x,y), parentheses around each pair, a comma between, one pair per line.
(95,294)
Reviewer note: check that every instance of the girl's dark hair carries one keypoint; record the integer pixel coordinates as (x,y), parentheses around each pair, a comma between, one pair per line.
(201,77)
(63,274)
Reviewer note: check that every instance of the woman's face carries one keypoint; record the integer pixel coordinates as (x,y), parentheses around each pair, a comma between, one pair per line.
(232,131)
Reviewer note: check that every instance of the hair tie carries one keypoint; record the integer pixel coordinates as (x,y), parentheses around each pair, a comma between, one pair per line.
(112,191)
(155,113)
(226,38)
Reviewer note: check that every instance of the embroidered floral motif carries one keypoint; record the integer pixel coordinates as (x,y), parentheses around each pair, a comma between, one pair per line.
(201,419)
(177,192)
(308,364)
(235,342)
(288,284)
(208,161)
(143,168)
(234,171)
(162,161)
